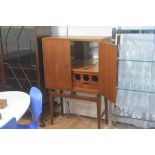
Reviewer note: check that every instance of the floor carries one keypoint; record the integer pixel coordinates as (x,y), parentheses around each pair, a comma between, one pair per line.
(76,122)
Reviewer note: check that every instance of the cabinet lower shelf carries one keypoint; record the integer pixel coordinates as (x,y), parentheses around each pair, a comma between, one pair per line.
(84,90)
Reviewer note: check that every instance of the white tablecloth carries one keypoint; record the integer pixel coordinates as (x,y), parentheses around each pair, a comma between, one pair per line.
(17,104)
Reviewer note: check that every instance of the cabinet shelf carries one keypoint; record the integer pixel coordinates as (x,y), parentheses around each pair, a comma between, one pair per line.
(135,60)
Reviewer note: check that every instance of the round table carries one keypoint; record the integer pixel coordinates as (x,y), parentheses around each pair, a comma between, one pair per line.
(17,104)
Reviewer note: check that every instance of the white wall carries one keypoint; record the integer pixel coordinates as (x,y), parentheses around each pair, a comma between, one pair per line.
(82,30)
(90,31)
(79,107)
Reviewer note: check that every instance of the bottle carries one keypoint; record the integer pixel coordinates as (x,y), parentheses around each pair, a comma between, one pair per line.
(130,113)
(126,112)
(144,117)
(150,117)
(119,111)
(0,116)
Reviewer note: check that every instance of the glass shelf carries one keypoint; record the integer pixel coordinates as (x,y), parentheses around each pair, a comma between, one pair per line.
(136,60)
(128,117)
(131,114)
(148,87)
(144,91)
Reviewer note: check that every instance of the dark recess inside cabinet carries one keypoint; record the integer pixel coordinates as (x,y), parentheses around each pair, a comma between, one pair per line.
(21,64)
(84,60)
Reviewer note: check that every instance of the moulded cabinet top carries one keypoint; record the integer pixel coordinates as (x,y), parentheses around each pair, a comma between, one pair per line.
(108,40)
(79,38)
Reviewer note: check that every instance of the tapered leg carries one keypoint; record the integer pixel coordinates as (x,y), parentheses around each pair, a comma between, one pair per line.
(109,114)
(42,121)
(98,111)
(51,101)
(61,102)
(106,109)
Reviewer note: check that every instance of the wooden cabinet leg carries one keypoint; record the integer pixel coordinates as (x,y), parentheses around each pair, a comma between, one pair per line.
(51,101)
(109,115)
(106,109)
(61,102)
(98,111)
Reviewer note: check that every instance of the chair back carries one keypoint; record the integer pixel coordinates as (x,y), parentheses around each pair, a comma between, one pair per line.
(11,124)
(36,104)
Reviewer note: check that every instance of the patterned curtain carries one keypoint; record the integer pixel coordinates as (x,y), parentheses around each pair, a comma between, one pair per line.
(136,79)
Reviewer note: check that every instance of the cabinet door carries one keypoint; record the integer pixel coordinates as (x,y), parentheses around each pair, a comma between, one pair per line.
(108,70)
(57,63)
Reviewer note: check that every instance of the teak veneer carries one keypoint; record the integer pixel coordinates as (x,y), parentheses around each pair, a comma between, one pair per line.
(63,74)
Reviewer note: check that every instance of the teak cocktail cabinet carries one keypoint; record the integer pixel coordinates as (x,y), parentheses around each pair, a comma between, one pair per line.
(80,64)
